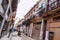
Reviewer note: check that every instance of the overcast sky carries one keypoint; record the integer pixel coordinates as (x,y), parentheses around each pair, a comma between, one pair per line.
(24,6)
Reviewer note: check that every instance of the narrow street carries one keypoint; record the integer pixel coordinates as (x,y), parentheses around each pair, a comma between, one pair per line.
(29,19)
(16,37)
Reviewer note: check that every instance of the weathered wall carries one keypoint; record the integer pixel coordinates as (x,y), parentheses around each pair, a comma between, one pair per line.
(54,27)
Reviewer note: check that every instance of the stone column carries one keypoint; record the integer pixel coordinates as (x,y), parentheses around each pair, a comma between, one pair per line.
(30,30)
(41,30)
(47,31)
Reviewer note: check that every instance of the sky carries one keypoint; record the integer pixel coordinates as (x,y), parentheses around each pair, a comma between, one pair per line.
(23,7)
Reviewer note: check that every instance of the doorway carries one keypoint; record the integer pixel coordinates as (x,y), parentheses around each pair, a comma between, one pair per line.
(36,30)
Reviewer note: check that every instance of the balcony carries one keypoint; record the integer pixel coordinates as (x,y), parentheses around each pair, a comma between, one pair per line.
(53,5)
(40,11)
(52,8)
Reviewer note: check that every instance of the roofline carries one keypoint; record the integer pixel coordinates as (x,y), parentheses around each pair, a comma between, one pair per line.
(32,8)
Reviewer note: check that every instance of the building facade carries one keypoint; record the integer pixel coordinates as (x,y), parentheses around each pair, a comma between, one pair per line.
(32,24)
(7,13)
(43,24)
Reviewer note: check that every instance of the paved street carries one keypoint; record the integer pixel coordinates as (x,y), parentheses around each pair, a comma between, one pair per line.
(24,37)
(15,37)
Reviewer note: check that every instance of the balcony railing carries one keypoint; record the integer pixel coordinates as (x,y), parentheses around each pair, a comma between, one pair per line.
(53,5)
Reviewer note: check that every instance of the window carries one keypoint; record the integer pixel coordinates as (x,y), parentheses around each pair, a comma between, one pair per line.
(56,18)
(34,10)
(51,35)
(31,12)
(36,6)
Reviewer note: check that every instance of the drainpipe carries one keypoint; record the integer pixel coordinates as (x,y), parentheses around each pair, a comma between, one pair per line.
(41,30)
(4,18)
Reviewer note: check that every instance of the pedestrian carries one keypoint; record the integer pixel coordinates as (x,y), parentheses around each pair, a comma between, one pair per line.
(10,31)
(19,31)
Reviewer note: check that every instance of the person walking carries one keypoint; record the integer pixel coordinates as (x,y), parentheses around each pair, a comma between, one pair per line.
(19,31)
(10,31)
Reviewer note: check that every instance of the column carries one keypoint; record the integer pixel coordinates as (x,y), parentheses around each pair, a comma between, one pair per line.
(27,30)
(47,31)
(41,30)
(30,30)
(4,18)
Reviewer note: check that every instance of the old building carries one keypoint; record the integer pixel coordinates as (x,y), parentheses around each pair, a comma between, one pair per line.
(52,16)
(44,23)
(7,14)
(31,23)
